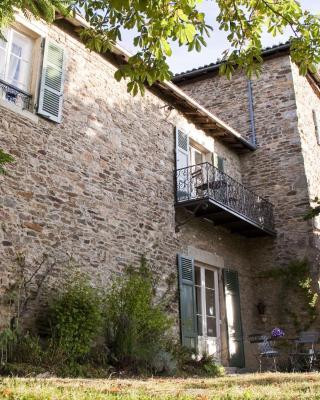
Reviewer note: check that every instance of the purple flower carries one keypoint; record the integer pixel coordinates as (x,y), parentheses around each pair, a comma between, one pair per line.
(277,332)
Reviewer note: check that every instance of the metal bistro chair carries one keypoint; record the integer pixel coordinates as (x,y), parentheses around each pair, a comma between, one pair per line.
(265,350)
(304,356)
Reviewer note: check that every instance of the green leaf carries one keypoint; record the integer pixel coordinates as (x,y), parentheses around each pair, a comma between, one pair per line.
(156,24)
(166,47)
(118,75)
(190,32)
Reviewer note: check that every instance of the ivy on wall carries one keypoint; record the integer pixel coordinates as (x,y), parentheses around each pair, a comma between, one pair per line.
(313,211)
(296,279)
(5,158)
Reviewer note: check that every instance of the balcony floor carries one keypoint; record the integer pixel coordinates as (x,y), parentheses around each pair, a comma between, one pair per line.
(224,216)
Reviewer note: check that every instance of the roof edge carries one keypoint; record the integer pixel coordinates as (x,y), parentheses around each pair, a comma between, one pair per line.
(232,137)
(197,72)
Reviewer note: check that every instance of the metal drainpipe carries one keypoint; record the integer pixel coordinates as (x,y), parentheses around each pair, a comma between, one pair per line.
(253,139)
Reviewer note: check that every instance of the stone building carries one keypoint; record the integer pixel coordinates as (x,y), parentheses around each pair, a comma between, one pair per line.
(278,112)
(107,177)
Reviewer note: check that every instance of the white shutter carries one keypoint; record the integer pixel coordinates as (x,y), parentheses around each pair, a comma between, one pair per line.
(52,81)
(182,162)
(182,149)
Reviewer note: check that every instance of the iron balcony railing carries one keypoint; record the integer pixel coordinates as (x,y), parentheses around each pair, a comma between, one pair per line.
(204,181)
(15,95)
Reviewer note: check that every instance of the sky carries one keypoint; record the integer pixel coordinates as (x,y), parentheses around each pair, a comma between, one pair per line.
(182,60)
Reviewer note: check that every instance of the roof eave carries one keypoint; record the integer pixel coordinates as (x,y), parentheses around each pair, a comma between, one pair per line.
(192,110)
(200,72)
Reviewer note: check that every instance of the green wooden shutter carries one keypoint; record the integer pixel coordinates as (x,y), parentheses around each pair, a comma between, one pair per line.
(188,318)
(234,324)
(52,82)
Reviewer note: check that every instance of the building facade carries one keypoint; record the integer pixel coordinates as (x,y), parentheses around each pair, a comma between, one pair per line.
(278,111)
(104,178)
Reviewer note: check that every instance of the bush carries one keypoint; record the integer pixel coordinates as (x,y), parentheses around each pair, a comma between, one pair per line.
(76,320)
(136,326)
(27,350)
(189,363)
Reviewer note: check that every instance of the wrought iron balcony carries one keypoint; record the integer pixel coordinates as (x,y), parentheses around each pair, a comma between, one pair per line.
(15,95)
(210,193)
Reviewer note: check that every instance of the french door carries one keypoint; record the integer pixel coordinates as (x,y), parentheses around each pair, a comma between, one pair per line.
(207,309)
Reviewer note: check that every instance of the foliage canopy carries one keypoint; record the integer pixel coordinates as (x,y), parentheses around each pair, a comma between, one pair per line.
(157,24)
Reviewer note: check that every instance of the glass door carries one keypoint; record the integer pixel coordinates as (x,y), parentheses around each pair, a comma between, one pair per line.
(207,301)
(195,159)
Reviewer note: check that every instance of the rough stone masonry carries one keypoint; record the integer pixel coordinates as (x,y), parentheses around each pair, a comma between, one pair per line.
(284,168)
(99,187)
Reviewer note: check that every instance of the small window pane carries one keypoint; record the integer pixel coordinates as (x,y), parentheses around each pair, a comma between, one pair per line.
(198,276)
(209,279)
(199,325)
(210,306)
(211,327)
(198,300)
(21,46)
(16,50)
(197,157)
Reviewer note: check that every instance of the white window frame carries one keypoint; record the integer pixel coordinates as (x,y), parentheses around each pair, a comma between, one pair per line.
(9,54)
(36,31)
(204,338)
(192,154)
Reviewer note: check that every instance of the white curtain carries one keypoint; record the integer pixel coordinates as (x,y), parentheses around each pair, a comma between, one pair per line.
(19,68)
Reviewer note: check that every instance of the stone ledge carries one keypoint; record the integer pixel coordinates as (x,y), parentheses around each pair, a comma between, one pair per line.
(206,257)
(18,110)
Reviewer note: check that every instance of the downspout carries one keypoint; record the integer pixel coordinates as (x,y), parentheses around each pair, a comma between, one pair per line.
(253,139)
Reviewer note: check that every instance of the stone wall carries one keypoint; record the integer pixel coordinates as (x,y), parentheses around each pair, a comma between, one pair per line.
(277,170)
(99,186)
(308,101)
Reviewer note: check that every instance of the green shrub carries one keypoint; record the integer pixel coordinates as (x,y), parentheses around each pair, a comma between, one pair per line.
(27,349)
(136,325)
(189,363)
(75,319)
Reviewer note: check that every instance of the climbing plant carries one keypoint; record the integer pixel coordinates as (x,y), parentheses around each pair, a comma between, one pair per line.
(5,158)
(313,211)
(24,286)
(296,279)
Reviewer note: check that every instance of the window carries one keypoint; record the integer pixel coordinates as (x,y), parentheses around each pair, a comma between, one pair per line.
(20,75)
(207,300)
(219,162)
(196,156)
(16,67)
(199,306)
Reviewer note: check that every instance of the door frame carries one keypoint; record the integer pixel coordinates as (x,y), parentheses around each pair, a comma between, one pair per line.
(215,270)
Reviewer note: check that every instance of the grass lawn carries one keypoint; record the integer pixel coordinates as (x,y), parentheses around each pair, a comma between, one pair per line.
(273,386)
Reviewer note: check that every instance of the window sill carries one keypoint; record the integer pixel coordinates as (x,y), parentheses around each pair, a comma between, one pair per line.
(18,110)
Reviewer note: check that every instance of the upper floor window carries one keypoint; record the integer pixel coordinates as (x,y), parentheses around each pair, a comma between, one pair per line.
(16,53)
(195,156)
(22,81)
(218,162)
